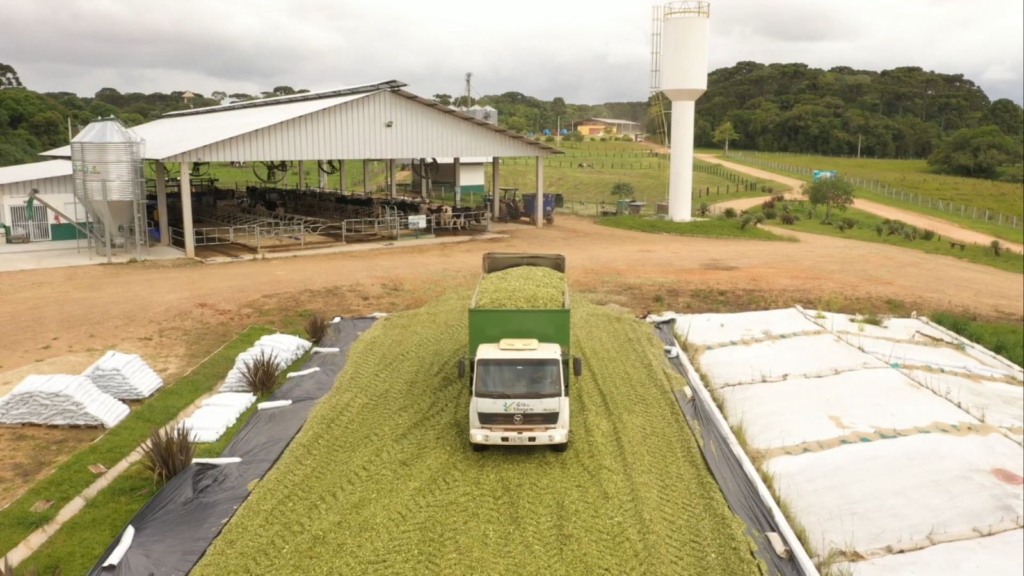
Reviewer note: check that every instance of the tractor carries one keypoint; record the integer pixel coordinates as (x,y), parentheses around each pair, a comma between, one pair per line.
(515,206)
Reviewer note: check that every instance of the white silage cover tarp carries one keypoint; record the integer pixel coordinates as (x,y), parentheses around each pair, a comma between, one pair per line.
(910,354)
(817,355)
(996,403)
(777,414)
(285,348)
(718,329)
(61,400)
(869,496)
(124,376)
(996,555)
(908,329)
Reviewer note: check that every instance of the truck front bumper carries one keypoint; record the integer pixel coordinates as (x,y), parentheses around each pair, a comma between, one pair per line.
(518,438)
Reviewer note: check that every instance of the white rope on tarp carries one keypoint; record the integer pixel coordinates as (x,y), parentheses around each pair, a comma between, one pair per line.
(319,350)
(122,547)
(217,461)
(303,372)
(273,404)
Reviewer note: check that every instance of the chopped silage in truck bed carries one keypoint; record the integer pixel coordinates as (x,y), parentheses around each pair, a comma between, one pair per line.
(382,480)
(522,287)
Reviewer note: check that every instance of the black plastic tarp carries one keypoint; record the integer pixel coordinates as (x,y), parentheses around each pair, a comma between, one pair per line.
(174,529)
(738,489)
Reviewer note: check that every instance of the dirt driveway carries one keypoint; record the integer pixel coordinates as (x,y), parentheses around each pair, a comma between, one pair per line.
(941,227)
(174,313)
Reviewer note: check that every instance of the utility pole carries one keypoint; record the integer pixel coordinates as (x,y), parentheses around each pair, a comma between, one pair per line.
(858,146)
(469,90)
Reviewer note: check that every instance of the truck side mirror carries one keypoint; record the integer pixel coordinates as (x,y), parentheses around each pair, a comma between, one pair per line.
(462,368)
(577,366)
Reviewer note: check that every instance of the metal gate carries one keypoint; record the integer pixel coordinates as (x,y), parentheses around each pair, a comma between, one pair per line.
(37,228)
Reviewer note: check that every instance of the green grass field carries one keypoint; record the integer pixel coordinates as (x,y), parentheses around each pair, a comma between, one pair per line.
(914,179)
(612,162)
(712,228)
(865,230)
(381,480)
(1003,338)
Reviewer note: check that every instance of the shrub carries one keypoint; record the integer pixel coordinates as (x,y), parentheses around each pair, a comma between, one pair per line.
(168,452)
(768,205)
(316,327)
(787,219)
(841,226)
(622,190)
(759,219)
(928,235)
(260,373)
(549,138)
(779,198)
(879,229)
(769,213)
(729,213)
(997,247)
(747,221)
(703,209)
(849,223)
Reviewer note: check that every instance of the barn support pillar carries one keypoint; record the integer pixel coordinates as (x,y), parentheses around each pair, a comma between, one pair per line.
(186,209)
(457,166)
(538,207)
(302,175)
(495,183)
(392,184)
(343,183)
(161,203)
(366,177)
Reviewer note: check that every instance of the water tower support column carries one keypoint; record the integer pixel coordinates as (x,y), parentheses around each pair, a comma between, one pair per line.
(680,192)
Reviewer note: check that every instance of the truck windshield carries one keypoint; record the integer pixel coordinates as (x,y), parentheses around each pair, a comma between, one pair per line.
(518,379)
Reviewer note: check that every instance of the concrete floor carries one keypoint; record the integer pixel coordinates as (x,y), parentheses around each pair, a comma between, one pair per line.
(62,253)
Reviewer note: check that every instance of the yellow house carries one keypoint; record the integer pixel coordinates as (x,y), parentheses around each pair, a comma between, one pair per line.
(608,127)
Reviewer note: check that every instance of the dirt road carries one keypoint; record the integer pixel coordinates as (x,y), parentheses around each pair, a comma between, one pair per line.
(941,227)
(174,313)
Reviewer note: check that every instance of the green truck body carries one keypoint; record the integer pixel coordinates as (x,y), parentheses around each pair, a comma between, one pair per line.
(519,365)
(491,325)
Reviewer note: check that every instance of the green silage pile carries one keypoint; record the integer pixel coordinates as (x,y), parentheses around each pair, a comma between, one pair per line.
(381,480)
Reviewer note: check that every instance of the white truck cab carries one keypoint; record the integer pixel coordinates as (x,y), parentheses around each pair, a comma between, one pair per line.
(519,395)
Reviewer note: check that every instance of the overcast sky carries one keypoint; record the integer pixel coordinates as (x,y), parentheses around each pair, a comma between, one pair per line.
(586,51)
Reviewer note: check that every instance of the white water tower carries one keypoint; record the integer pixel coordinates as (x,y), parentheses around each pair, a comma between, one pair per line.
(680,72)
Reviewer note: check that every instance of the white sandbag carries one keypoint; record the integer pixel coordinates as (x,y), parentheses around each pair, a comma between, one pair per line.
(319,350)
(285,349)
(61,400)
(124,376)
(238,400)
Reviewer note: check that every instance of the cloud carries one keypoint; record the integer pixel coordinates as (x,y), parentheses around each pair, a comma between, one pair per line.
(584,51)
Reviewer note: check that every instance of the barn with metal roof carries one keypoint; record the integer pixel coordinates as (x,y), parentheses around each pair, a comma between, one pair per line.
(381,122)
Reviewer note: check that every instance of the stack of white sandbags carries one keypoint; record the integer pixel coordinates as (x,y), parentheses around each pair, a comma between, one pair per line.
(216,414)
(124,376)
(61,400)
(285,349)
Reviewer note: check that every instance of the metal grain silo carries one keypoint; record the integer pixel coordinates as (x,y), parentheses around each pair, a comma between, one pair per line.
(106,162)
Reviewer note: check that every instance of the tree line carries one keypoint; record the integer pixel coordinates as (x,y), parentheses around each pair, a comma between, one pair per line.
(905,112)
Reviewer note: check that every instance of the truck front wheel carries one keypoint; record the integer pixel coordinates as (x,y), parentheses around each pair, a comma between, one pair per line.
(479,447)
(560,447)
